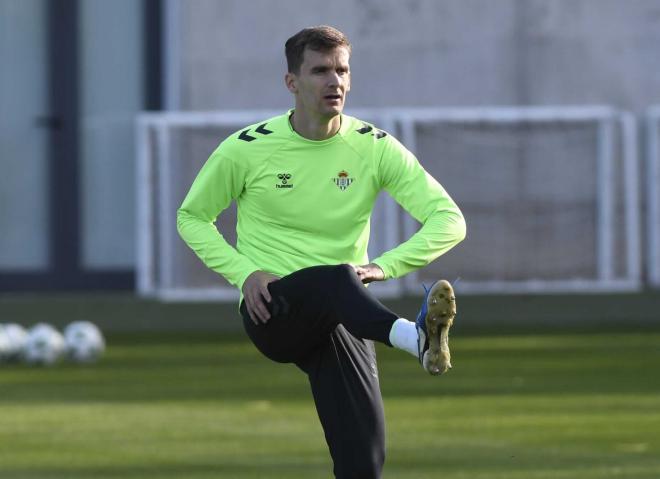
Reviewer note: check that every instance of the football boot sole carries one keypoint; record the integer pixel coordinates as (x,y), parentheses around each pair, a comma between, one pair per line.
(441,303)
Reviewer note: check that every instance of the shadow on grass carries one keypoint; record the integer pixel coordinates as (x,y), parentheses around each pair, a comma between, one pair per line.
(195,367)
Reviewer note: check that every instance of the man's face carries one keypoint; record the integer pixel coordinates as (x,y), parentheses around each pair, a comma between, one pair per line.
(322,83)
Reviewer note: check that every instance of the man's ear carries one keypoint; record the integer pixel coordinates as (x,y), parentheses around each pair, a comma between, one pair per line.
(291,82)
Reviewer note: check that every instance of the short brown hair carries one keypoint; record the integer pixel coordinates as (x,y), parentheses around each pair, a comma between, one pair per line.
(321,39)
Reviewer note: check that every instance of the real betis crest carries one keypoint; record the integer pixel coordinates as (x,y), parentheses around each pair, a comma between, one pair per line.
(342,180)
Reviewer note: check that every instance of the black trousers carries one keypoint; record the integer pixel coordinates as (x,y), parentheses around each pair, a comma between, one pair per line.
(324,320)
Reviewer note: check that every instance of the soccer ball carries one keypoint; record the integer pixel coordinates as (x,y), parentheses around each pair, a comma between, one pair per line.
(44,345)
(4,344)
(84,342)
(14,339)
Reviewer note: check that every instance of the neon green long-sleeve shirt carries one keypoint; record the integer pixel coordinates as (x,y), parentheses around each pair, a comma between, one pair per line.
(304,203)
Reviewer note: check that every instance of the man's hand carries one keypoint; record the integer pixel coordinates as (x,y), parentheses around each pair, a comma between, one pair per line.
(369,272)
(256,295)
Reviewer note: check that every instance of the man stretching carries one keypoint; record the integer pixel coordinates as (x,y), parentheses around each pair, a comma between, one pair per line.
(305,184)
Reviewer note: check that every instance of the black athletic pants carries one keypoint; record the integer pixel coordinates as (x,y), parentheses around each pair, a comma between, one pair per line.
(323,320)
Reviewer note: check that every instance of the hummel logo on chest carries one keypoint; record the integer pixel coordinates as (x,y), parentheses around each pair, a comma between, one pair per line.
(284,180)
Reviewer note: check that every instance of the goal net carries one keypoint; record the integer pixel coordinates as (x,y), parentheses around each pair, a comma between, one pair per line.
(548,194)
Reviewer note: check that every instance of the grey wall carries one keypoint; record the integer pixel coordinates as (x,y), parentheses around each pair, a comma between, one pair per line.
(428,53)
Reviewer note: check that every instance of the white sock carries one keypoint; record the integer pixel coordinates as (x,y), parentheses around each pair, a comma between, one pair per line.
(403,335)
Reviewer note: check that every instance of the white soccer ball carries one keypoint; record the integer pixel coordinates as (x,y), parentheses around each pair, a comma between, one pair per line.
(84,342)
(14,341)
(4,344)
(44,345)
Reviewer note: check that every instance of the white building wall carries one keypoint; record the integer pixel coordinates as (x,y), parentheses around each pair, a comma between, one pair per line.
(427,52)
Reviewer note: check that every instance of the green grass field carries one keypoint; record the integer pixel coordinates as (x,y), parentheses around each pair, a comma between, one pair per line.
(553,405)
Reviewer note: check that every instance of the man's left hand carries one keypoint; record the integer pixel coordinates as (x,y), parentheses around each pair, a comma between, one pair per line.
(369,272)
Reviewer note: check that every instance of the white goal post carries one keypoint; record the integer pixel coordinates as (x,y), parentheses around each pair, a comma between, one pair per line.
(172,146)
(653,193)
(616,205)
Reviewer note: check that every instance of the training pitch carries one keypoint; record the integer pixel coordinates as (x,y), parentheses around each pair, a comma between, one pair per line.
(556,405)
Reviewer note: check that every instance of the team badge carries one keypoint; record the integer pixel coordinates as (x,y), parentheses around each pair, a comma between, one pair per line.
(342,180)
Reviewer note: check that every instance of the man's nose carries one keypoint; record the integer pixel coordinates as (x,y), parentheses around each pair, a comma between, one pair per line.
(334,79)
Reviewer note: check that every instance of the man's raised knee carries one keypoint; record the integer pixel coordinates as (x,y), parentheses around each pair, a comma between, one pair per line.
(345,272)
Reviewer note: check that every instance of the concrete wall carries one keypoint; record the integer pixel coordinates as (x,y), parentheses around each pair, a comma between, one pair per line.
(426,52)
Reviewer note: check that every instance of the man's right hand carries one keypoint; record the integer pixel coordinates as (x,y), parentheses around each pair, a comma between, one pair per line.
(256,295)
